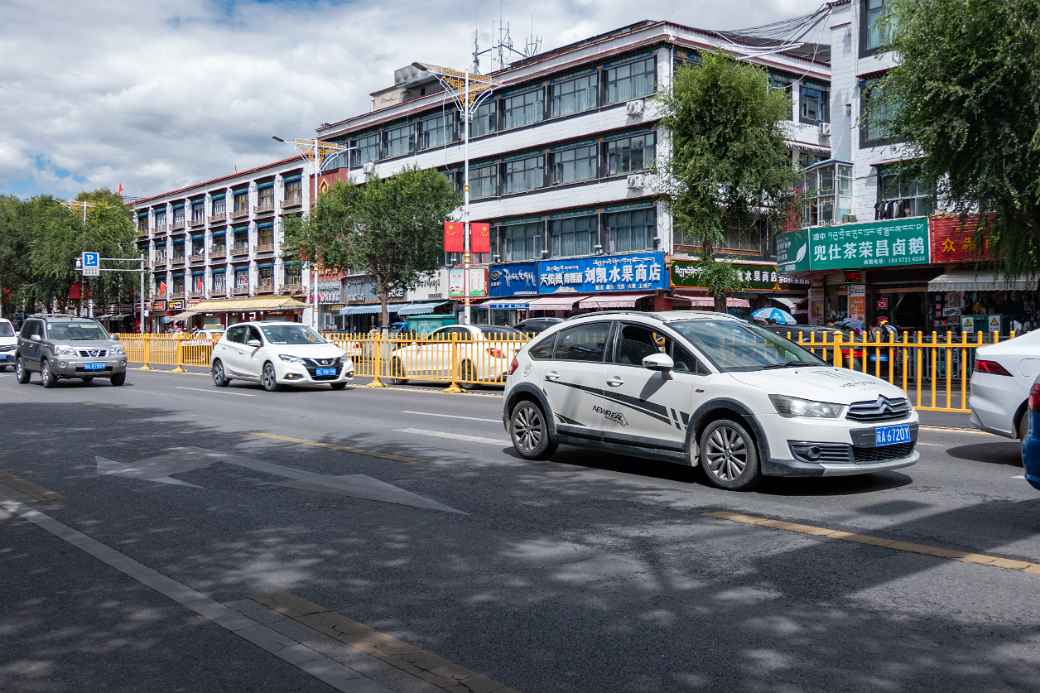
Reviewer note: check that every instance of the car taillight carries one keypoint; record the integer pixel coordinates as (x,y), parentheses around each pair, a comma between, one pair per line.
(991,367)
(1034,396)
(513,366)
(495,353)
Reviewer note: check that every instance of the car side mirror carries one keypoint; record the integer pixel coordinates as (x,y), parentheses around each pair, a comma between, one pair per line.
(658,362)
(35,337)
(255,343)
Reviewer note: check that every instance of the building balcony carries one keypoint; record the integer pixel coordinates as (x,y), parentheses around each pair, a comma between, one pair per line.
(198,221)
(217,291)
(218,218)
(178,259)
(196,293)
(265,246)
(292,286)
(265,207)
(178,225)
(290,202)
(217,251)
(162,229)
(178,292)
(160,259)
(240,249)
(240,213)
(240,291)
(265,286)
(198,257)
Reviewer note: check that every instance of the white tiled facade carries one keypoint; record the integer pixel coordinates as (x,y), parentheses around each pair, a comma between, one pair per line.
(159,242)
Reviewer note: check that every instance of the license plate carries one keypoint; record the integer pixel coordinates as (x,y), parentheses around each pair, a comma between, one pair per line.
(324,371)
(891,435)
(94,367)
(6,357)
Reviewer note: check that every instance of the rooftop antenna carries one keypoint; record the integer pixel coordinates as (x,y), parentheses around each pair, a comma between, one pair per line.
(502,49)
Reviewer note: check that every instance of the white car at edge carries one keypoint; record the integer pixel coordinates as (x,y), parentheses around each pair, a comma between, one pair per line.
(1000,383)
(276,354)
(8,344)
(703,389)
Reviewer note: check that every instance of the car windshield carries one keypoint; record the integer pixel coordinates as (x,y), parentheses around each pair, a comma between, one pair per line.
(291,334)
(6,330)
(75,331)
(738,346)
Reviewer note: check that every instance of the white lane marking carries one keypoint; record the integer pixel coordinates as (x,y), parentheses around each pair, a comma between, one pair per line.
(1020,476)
(215,392)
(453,436)
(450,416)
(952,429)
(932,445)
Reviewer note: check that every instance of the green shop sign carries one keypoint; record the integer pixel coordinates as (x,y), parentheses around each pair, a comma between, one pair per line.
(792,251)
(885,243)
(757,275)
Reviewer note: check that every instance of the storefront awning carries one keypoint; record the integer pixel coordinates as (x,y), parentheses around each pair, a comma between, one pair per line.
(709,302)
(611,301)
(362,310)
(562,302)
(249,305)
(514,304)
(420,308)
(185,316)
(980,281)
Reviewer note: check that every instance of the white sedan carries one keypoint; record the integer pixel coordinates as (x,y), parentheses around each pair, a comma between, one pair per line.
(279,353)
(1000,384)
(473,353)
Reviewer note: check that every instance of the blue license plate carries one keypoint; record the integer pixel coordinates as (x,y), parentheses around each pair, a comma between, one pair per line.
(6,357)
(324,371)
(93,366)
(891,435)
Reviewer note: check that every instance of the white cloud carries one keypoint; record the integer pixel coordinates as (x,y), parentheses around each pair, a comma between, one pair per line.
(158,94)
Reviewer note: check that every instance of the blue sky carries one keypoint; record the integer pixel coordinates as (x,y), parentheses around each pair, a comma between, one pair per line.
(158,94)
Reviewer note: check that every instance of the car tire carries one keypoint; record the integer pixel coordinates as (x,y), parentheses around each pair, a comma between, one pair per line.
(467,374)
(220,378)
(338,386)
(21,373)
(269,378)
(397,373)
(729,456)
(1023,427)
(118,379)
(529,431)
(47,375)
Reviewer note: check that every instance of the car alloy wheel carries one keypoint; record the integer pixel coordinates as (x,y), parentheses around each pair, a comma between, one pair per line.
(20,373)
(219,378)
(268,378)
(530,432)
(728,455)
(47,376)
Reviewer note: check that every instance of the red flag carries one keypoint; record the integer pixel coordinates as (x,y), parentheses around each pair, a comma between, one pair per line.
(162,288)
(454,237)
(480,238)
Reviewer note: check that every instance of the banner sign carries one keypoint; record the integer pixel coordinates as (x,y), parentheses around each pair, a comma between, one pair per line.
(479,237)
(635,272)
(792,251)
(330,291)
(757,275)
(885,243)
(454,237)
(477,282)
(177,304)
(953,241)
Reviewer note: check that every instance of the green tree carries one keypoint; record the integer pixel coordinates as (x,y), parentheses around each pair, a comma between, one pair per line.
(110,231)
(14,252)
(967,94)
(389,228)
(730,165)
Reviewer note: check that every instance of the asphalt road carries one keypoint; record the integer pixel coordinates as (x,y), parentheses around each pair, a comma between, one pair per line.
(406,511)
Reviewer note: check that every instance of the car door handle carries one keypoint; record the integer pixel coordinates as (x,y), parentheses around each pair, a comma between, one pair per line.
(552,377)
(615,382)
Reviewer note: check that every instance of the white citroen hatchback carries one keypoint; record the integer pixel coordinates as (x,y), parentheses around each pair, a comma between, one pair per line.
(704,389)
(276,354)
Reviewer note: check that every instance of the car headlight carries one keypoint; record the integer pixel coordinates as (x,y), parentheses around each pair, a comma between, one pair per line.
(790,407)
(289,358)
(117,350)
(62,350)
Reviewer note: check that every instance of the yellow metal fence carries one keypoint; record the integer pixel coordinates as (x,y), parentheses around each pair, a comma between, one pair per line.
(933,368)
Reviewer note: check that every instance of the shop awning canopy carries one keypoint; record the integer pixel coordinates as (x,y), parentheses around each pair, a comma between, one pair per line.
(795,305)
(709,302)
(980,281)
(400,309)
(611,301)
(561,302)
(506,304)
(248,305)
(419,308)
(369,309)
(186,315)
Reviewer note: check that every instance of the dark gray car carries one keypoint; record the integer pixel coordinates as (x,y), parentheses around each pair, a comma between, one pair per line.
(62,346)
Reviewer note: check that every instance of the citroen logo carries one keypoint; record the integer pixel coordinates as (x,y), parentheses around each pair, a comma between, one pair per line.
(884,405)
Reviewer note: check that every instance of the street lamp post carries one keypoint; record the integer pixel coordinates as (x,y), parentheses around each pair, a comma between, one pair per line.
(470,90)
(316,149)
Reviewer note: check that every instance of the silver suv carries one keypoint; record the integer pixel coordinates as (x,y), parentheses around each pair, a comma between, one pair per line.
(63,346)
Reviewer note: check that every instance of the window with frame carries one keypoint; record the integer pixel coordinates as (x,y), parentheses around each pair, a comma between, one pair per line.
(631,80)
(902,195)
(241,202)
(367,149)
(398,141)
(218,281)
(814,103)
(586,342)
(877,26)
(198,245)
(636,342)
(573,236)
(825,194)
(242,278)
(197,211)
(630,153)
(219,205)
(160,218)
(522,109)
(781,82)
(747,238)
(437,130)
(575,94)
(631,230)
(524,174)
(808,157)
(877,113)
(142,222)
(483,181)
(485,119)
(542,349)
(293,191)
(178,284)
(265,197)
(523,241)
(178,215)
(575,163)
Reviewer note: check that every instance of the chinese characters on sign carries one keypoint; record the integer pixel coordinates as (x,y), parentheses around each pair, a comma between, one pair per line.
(636,272)
(885,243)
(792,251)
(957,241)
(755,276)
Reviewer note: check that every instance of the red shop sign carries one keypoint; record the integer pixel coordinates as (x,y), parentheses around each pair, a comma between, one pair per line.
(954,241)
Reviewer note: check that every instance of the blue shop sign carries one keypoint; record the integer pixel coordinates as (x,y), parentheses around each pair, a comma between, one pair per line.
(514,279)
(636,272)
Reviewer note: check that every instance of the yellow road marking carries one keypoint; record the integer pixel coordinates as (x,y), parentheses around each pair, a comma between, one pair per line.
(895,545)
(332,446)
(430,668)
(28,488)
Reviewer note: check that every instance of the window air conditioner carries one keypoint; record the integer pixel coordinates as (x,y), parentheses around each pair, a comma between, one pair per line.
(370,167)
(634,108)
(635,182)
(848,218)
(825,129)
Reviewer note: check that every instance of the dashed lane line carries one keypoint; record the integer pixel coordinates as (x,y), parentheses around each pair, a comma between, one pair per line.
(894,544)
(215,392)
(453,436)
(450,416)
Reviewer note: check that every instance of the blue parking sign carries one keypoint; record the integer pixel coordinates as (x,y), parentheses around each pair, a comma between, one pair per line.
(90,262)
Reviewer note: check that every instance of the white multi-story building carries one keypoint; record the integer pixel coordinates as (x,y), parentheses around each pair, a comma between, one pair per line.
(220,241)
(564,152)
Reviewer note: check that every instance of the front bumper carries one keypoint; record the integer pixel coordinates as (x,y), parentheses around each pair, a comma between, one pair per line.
(301,374)
(77,367)
(797,468)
